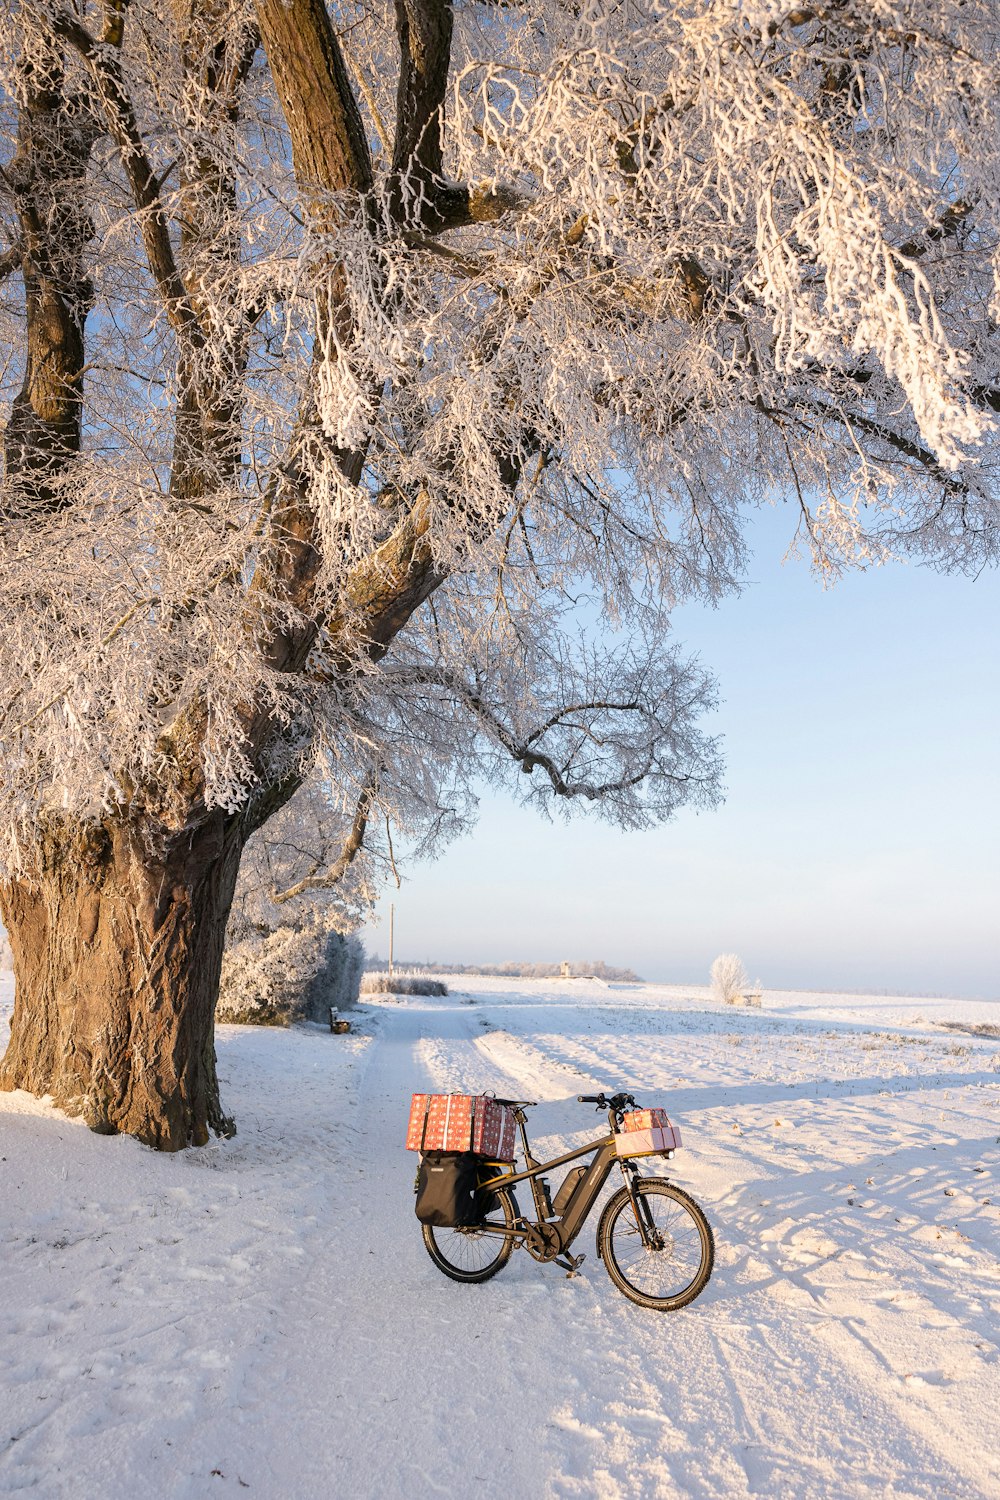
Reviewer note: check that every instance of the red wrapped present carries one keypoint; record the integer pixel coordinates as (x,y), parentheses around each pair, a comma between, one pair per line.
(461,1122)
(645,1119)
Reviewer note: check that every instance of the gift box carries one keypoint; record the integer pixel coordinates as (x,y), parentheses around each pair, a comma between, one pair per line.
(440,1122)
(645,1119)
(657,1141)
(461,1122)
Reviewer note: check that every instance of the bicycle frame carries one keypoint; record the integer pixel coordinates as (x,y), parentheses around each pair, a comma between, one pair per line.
(570,1223)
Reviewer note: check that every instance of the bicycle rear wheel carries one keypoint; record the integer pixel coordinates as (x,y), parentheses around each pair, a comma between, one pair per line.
(671,1271)
(471,1254)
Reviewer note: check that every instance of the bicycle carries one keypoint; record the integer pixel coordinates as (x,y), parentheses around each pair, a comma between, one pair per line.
(654,1239)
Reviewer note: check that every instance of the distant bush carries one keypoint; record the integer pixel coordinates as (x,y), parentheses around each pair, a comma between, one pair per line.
(401,984)
(731,983)
(594,968)
(274,977)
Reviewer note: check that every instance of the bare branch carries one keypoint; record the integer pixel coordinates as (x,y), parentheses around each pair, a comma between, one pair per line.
(123,127)
(329,149)
(524,748)
(351,848)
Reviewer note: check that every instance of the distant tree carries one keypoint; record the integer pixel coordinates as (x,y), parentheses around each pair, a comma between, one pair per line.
(359,359)
(592,968)
(730,982)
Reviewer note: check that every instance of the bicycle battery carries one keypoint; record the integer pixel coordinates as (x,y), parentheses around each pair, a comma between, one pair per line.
(567,1191)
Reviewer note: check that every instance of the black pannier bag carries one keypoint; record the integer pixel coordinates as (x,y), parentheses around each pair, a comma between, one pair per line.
(446,1188)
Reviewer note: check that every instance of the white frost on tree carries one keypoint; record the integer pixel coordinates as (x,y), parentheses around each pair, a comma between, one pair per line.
(363,366)
(272,976)
(291,953)
(730,981)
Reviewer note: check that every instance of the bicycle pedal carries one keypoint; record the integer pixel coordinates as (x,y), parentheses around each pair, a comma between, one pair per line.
(572,1264)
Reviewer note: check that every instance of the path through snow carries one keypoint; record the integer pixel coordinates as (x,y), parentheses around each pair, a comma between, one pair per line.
(260,1316)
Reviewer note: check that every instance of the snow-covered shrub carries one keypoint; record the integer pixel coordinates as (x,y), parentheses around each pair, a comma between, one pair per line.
(337,979)
(730,982)
(274,977)
(401,984)
(6,957)
(290,954)
(585,968)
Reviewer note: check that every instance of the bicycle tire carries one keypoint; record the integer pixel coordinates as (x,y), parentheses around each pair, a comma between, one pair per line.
(687,1252)
(457,1252)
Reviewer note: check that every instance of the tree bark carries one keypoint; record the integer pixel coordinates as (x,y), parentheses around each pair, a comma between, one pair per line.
(117,955)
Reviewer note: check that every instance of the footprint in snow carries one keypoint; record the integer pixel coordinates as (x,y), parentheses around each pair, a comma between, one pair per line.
(927,1377)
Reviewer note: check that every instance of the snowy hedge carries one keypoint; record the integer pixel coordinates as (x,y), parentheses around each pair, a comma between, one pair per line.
(402,984)
(274,977)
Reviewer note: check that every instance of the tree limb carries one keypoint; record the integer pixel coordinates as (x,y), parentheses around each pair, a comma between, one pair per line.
(11,260)
(330,151)
(105,67)
(525,751)
(332,162)
(350,849)
(383,590)
(55,136)
(424,30)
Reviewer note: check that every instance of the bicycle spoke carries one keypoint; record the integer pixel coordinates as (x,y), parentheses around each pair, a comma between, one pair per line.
(472,1254)
(670,1262)
(468,1251)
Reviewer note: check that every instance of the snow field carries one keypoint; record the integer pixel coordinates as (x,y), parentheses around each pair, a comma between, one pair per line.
(261,1316)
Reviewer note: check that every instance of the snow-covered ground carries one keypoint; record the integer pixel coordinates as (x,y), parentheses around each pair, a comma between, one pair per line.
(261,1315)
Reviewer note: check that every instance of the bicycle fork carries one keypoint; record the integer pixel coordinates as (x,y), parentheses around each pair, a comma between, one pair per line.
(650,1235)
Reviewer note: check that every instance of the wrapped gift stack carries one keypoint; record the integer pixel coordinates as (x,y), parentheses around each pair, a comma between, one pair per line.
(647,1132)
(461,1122)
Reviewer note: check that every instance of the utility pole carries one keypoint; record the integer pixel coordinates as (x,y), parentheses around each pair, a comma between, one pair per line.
(392,918)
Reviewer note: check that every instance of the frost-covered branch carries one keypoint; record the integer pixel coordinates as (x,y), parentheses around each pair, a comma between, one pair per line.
(119,113)
(349,401)
(350,849)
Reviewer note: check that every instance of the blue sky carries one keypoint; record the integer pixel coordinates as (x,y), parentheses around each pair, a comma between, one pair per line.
(859,844)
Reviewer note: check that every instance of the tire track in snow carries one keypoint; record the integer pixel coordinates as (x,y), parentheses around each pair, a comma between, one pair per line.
(537,1074)
(782,1470)
(294,1334)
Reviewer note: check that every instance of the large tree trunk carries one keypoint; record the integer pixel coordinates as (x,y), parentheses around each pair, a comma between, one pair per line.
(117,955)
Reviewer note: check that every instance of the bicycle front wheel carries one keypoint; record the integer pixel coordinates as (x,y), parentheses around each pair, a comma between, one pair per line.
(674,1266)
(473,1254)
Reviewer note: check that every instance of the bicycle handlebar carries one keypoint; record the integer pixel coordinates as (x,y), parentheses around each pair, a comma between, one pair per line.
(617,1101)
